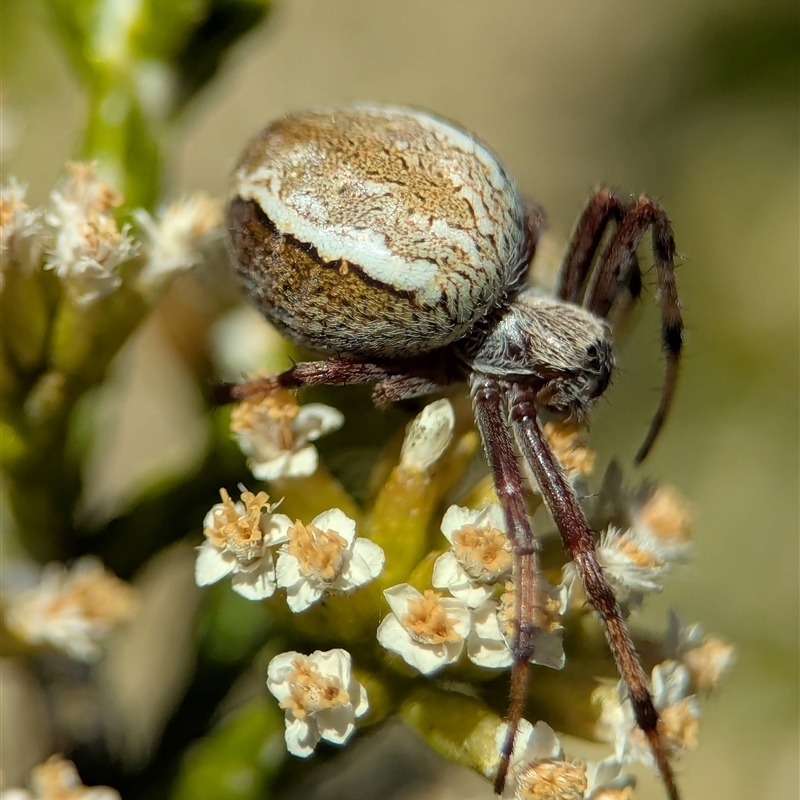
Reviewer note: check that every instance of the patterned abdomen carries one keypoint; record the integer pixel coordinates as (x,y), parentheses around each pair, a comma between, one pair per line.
(376,231)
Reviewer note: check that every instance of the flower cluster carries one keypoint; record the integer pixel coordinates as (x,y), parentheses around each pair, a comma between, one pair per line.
(71,609)
(677,707)
(57,779)
(316,559)
(429,631)
(453,609)
(79,239)
(645,539)
(87,247)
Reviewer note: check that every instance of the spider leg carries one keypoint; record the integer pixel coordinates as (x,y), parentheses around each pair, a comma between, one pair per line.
(619,268)
(490,408)
(604,208)
(401,381)
(579,544)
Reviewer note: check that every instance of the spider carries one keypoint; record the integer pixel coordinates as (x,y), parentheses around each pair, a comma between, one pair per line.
(396,243)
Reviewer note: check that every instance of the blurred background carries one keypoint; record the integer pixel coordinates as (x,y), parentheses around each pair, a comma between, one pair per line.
(695,103)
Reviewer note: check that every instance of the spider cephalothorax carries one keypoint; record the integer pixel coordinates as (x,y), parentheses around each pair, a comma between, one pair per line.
(396,242)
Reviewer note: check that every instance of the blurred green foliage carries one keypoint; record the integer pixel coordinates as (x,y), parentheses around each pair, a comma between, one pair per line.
(140,65)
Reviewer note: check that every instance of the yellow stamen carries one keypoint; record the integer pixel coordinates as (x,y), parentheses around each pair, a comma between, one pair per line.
(483,552)
(239,532)
(427,621)
(311,691)
(550,779)
(319,553)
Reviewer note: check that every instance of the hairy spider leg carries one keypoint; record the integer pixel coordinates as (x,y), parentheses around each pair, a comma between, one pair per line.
(617,270)
(613,273)
(327,372)
(603,209)
(579,543)
(491,415)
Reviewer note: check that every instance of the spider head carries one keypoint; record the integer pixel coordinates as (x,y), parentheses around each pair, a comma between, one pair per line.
(558,348)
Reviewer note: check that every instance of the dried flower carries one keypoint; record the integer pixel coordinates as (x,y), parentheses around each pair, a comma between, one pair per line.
(426,631)
(324,557)
(238,538)
(175,237)
(706,657)
(630,563)
(661,517)
(57,779)
(678,711)
(480,554)
(87,247)
(72,609)
(19,225)
(274,432)
(320,696)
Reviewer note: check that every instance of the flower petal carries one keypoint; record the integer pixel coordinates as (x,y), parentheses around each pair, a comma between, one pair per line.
(365,564)
(212,565)
(336,724)
(303,595)
(336,520)
(256,585)
(301,736)
(287,570)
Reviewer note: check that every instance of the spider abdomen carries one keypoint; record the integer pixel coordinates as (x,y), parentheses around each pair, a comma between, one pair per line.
(376,231)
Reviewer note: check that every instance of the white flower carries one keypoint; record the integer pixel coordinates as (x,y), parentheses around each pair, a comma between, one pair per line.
(661,518)
(607,781)
(87,247)
(678,713)
(175,238)
(238,538)
(706,657)
(57,779)
(494,627)
(630,563)
(320,696)
(427,631)
(486,645)
(275,432)
(532,742)
(428,435)
(323,558)
(540,771)
(72,609)
(480,555)
(19,225)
